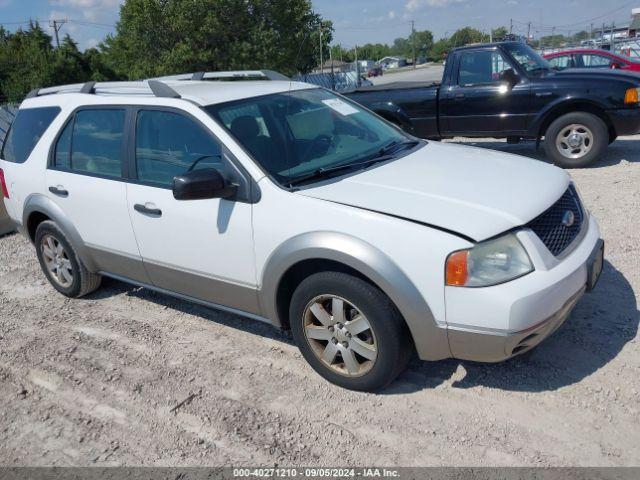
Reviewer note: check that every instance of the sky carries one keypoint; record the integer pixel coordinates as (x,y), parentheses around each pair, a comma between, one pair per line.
(358,21)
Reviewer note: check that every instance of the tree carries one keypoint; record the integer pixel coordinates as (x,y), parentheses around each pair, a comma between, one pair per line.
(423,42)
(553,41)
(580,36)
(401,47)
(440,49)
(157,37)
(499,33)
(465,36)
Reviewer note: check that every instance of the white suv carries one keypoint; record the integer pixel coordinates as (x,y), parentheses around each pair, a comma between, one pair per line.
(289,204)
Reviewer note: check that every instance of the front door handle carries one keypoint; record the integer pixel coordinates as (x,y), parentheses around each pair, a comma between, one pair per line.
(148,209)
(459,96)
(59,190)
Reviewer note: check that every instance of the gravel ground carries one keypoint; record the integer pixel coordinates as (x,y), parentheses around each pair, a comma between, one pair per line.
(127,376)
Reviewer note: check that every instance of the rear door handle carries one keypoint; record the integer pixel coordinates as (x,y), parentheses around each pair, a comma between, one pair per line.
(459,96)
(59,190)
(148,209)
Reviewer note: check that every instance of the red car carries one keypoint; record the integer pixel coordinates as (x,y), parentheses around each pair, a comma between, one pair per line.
(584,58)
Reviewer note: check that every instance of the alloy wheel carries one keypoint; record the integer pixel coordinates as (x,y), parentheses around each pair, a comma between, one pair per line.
(340,335)
(56,261)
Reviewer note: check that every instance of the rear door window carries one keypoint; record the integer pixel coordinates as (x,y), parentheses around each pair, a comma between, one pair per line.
(25,132)
(92,143)
(595,61)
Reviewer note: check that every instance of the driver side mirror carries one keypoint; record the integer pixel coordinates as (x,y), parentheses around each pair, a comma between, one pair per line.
(510,76)
(615,65)
(202,184)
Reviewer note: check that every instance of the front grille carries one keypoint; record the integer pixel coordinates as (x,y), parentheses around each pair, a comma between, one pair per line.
(550,227)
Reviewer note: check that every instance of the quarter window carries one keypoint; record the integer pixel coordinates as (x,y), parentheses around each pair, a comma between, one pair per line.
(26,130)
(169,144)
(92,142)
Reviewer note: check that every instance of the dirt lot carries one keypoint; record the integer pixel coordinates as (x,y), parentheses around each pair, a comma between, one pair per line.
(94,381)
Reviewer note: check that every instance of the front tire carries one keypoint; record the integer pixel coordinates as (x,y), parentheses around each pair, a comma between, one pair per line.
(61,264)
(576,140)
(349,331)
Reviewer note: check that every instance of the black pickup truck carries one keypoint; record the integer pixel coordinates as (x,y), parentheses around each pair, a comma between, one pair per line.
(506,90)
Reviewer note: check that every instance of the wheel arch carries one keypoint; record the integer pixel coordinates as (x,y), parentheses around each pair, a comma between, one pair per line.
(38,208)
(579,105)
(331,251)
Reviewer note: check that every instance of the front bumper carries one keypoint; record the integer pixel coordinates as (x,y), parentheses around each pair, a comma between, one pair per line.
(625,121)
(495,323)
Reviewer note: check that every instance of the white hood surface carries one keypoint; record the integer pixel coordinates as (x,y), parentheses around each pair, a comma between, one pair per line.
(471,191)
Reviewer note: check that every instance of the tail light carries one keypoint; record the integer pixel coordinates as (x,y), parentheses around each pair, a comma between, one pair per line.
(3,185)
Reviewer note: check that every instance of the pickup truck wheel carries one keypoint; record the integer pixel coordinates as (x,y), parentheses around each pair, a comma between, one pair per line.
(60,263)
(576,140)
(349,331)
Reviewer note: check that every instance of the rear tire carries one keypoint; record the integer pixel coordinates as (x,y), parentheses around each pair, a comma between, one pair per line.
(576,140)
(61,264)
(349,331)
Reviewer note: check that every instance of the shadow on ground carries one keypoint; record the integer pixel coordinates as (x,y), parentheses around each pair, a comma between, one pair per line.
(112,288)
(618,152)
(602,323)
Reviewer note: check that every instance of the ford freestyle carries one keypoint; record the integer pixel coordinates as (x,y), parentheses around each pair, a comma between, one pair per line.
(289,204)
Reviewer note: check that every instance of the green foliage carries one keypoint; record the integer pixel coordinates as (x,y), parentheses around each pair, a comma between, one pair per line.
(158,37)
(423,42)
(467,35)
(499,33)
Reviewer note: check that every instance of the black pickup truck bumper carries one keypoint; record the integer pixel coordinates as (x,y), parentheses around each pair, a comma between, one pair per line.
(626,121)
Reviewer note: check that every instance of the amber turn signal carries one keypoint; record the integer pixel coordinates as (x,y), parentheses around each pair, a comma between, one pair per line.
(456,271)
(631,96)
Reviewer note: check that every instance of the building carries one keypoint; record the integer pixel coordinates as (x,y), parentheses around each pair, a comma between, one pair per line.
(392,62)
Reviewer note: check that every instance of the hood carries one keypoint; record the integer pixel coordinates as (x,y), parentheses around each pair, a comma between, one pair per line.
(596,73)
(474,192)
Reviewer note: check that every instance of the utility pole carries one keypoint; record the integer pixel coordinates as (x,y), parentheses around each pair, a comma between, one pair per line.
(413,41)
(528,31)
(321,59)
(357,67)
(510,26)
(612,48)
(591,32)
(57,25)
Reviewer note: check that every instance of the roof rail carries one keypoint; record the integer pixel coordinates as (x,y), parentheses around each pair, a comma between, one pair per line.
(238,74)
(144,87)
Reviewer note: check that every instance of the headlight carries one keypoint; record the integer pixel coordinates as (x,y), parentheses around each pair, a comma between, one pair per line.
(488,263)
(631,96)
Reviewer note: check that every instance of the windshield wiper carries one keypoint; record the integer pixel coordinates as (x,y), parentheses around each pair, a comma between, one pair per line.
(384,154)
(396,146)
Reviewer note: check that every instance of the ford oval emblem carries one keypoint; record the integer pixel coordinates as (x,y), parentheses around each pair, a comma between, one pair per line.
(568,219)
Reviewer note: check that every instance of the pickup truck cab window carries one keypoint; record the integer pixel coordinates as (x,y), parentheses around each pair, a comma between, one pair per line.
(483,67)
(291,135)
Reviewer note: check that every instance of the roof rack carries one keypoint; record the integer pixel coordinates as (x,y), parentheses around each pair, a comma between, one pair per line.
(239,74)
(145,87)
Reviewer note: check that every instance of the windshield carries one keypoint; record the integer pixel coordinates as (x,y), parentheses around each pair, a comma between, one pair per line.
(527,58)
(294,134)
